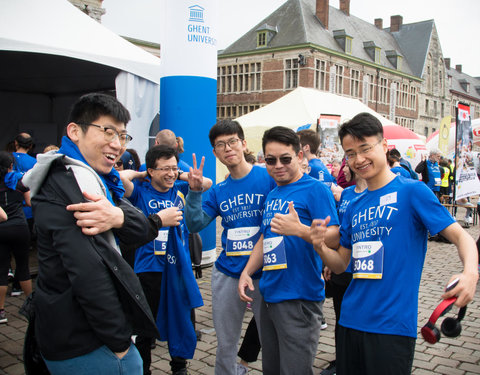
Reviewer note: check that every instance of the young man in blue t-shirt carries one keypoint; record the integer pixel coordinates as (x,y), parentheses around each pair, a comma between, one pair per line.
(162,192)
(239,202)
(384,235)
(310,142)
(291,283)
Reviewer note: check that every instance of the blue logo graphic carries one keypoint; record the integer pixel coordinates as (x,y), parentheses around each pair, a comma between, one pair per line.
(196,13)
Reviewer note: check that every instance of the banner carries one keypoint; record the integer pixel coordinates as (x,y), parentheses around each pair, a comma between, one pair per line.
(466,180)
(327,129)
(393,100)
(444,135)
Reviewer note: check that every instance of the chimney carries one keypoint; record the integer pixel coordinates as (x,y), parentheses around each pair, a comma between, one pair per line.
(322,10)
(447,62)
(395,23)
(379,23)
(458,68)
(345,6)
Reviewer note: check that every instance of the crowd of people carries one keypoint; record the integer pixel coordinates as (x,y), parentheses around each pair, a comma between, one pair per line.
(116,241)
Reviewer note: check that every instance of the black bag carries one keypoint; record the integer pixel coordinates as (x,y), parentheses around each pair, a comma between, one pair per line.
(195,245)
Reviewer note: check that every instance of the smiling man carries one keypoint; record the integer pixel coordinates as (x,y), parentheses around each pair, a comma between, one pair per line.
(384,236)
(291,283)
(88,301)
(162,194)
(239,202)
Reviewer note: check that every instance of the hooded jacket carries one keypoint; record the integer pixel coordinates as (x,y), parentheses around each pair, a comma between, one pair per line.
(86,294)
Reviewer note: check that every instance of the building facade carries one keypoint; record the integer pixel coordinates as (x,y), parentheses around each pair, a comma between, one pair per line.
(464,89)
(311,44)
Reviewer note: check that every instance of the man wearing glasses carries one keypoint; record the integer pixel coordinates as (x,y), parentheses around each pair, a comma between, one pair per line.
(291,284)
(239,202)
(88,301)
(161,194)
(384,236)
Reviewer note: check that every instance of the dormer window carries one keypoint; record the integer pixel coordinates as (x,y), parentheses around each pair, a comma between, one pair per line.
(465,85)
(344,41)
(372,50)
(395,59)
(265,34)
(478,89)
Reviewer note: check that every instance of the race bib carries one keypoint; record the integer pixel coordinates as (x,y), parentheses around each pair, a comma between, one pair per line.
(367,260)
(438,181)
(240,241)
(179,200)
(274,257)
(160,243)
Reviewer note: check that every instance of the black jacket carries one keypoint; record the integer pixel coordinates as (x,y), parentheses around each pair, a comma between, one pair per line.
(86,294)
(423,170)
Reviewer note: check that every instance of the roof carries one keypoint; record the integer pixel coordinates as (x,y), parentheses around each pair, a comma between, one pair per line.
(459,78)
(297,24)
(414,41)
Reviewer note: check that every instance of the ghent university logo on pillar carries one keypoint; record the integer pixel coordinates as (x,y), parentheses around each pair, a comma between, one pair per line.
(198,32)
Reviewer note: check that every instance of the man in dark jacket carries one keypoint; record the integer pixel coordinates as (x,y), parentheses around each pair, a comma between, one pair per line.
(88,301)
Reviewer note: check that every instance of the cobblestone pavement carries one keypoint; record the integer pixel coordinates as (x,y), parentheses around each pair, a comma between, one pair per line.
(451,356)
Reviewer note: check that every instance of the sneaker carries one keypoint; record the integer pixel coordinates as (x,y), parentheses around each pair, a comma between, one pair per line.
(10,275)
(16,292)
(3,316)
(241,369)
(324,324)
(330,370)
(469,220)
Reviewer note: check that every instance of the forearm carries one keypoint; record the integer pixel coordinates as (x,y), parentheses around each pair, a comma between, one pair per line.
(337,261)
(256,258)
(332,237)
(195,218)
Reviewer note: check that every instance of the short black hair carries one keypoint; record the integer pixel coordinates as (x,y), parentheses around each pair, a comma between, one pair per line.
(225,127)
(159,152)
(24,142)
(361,126)
(395,153)
(90,107)
(6,161)
(311,138)
(283,135)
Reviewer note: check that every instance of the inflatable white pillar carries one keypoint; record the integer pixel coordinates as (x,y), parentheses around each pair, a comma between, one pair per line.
(188,84)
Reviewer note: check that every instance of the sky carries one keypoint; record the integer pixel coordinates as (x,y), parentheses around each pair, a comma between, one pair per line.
(455,21)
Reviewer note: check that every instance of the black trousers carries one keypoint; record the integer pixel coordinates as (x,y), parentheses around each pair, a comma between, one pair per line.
(251,343)
(364,353)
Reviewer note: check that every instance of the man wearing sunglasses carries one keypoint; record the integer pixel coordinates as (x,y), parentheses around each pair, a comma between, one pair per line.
(164,195)
(239,202)
(291,283)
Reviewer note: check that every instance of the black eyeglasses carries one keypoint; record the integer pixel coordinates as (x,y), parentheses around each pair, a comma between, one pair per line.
(111,134)
(220,146)
(270,160)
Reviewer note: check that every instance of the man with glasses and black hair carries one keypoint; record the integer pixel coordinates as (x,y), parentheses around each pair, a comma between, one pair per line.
(164,195)
(291,283)
(239,202)
(88,301)
(384,237)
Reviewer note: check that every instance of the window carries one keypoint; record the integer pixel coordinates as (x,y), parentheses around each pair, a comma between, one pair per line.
(348,45)
(262,39)
(371,87)
(427,107)
(442,110)
(320,74)
(355,83)
(239,78)
(412,103)
(339,79)
(233,111)
(377,55)
(383,91)
(291,73)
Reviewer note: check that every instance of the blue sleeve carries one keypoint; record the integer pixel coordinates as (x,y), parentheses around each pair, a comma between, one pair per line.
(428,210)
(346,229)
(135,194)
(323,204)
(195,217)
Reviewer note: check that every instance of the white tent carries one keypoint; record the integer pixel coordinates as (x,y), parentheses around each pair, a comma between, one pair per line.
(301,107)
(50,54)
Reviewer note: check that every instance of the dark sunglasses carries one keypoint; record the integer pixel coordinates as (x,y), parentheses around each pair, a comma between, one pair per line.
(270,160)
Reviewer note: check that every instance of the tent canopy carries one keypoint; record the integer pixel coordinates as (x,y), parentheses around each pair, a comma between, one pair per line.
(50,54)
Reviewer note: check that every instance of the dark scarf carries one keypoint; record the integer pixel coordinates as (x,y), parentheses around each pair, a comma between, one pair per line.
(111,181)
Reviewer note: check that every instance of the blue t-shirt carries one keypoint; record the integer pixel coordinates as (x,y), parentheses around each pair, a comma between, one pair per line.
(302,277)
(151,257)
(392,221)
(434,176)
(400,171)
(239,202)
(23,162)
(319,171)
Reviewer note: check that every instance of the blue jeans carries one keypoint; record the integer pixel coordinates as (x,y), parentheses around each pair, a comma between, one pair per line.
(101,361)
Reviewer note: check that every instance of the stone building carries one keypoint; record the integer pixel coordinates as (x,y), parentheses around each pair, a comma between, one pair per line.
(397,71)
(463,88)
